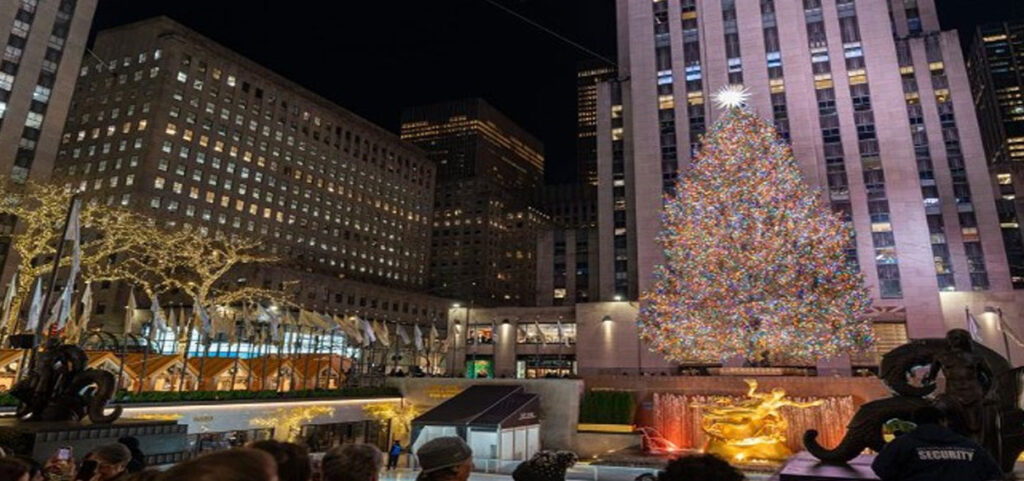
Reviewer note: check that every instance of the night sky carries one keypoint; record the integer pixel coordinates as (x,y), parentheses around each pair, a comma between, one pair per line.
(376,57)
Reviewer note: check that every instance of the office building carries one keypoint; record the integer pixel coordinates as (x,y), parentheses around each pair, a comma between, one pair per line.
(873,97)
(485,226)
(588,75)
(567,252)
(183,129)
(44,44)
(996,67)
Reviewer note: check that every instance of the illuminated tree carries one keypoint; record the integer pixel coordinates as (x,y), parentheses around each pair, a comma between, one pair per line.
(119,244)
(41,209)
(202,267)
(398,416)
(754,260)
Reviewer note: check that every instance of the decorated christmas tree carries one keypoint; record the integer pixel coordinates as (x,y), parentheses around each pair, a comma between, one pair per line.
(754,259)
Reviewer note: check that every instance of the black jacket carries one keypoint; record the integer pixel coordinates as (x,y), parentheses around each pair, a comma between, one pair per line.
(934,453)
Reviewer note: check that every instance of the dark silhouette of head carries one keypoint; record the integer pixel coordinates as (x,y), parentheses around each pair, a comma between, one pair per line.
(705,467)
(293,462)
(959,339)
(239,464)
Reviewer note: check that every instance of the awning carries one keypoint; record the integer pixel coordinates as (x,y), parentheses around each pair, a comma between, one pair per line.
(519,409)
(484,407)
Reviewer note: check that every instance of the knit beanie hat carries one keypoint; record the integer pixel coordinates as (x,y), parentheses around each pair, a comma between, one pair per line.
(443,452)
(545,466)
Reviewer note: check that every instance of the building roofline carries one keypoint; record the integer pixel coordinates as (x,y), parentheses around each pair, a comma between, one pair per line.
(265,72)
(482,103)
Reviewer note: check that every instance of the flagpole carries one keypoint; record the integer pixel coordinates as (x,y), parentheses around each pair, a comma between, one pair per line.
(204,341)
(280,354)
(56,267)
(185,355)
(145,356)
(238,349)
(262,351)
(305,369)
(416,346)
(316,351)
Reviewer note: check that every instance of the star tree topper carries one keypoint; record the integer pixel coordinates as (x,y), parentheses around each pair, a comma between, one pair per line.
(731,96)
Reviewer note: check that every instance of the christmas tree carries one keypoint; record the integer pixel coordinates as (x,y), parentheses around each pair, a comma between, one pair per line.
(754,260)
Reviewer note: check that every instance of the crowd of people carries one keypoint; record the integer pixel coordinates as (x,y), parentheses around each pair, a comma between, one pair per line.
(930,452)
(441,459)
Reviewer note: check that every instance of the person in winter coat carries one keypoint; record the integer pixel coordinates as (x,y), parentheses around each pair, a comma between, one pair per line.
(933,452)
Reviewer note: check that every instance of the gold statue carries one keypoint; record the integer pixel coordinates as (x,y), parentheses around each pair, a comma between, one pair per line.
(749,430)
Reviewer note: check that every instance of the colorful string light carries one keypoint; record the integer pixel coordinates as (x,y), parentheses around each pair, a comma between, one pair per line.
(755,262)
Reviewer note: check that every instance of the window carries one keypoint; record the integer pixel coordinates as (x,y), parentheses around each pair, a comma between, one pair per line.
(547,334)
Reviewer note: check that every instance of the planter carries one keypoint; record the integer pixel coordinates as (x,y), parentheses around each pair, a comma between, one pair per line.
(605,428)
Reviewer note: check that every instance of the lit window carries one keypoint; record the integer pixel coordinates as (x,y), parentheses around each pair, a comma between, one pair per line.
(34,120)
(158,183)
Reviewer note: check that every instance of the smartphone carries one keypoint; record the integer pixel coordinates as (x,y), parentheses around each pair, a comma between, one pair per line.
(86,470)
(64,453)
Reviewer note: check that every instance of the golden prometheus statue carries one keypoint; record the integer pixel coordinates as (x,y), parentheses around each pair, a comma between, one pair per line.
(750,430)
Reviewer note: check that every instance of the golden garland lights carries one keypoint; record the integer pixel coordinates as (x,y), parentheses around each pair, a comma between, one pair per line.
(398,415)
(755,263)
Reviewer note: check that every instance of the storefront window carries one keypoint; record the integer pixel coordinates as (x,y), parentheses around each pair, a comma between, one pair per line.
(545,366)
(548,333)
(321,437)
(480,367)
(480,334)
(201,443)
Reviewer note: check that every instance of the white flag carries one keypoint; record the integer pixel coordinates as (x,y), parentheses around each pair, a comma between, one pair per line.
(404,336)
(83,319)
(73,229)
(71,233)
(158,323)
(383,336)
(9,299)
(540,334)
(973,327)
(61,309)
(417,337)
(129,312)
(275,323)
(172,320)
(203,316)
(369,337)
(433,335)
(35,310)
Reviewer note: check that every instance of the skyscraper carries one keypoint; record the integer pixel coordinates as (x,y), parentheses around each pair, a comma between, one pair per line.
(996,66)
(588,75)
(43,48)
(873,97)
(485,226)
(181,128)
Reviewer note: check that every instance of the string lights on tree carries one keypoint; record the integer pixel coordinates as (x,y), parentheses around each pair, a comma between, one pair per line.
(755,263)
